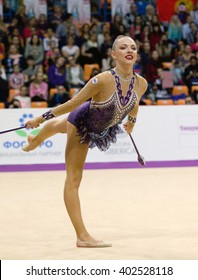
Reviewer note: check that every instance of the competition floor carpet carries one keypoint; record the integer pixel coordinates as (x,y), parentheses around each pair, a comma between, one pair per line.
(147,214)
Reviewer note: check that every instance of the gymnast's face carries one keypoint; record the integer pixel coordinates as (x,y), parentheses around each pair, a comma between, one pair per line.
(125,50)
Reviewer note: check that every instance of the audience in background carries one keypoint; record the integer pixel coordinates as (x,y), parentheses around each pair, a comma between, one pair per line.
(74,74)
(16,79)
(57,73)
(34,48)
(59,97)
(51,51)
(23,97)
(38,88)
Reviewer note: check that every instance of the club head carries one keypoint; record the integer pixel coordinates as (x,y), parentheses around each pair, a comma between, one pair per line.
(141,160)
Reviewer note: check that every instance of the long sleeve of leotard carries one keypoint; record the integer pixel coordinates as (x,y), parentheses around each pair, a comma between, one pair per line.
(93,87)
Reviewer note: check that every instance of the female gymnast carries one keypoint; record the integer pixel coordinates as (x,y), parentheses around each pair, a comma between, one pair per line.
(111,95)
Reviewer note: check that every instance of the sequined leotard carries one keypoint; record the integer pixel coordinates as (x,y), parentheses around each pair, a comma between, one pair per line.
(98,122)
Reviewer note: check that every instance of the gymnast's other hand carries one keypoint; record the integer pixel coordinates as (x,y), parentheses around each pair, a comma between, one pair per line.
(128,127)
(34,123)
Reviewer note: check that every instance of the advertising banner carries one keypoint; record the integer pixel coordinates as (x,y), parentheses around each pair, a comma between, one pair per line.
(162,133)
(80,9)
(35,7)
(120,7)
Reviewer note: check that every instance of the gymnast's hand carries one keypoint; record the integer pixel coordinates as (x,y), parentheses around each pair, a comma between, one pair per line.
(128,127)
(34,123)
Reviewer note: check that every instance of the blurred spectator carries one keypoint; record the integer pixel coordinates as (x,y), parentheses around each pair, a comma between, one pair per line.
(42,24)
(17,41)
(106,61)
(57,73)
(14,104)
(129,18)
(14,57)
(184,58)
(30,70)
(164,48)
(106,44)
(14,24)
(90,53)
(145,33)
(21,16)
(84,34)
(60,97)
(194,45)
(177,72)
(56,17)
(161,92)
(74,74)
(175,30)
(182,12)
(150,12)
(62,29)
(186,27)
(8,12)
(96,22)
(155,36)
(70,49)
(194,13)
(145,53)
(114,26)
(73,31)
(155,21)
(191,35)
(35,48)
(16,79)
(179,49)
(152,67)
(23,97)
(30,29)
(151,93)
(4,92)
(49,37)
(52,54)
(136,28)
(191,73)
(38,89)
(101,35)
(122,29)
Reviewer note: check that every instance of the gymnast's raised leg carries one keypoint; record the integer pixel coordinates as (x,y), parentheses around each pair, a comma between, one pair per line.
(51,128)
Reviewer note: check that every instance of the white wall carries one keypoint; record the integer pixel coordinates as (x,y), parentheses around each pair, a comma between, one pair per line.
(162,133)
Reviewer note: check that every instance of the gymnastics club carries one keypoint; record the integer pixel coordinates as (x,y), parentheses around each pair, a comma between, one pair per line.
(12,129)
(141,160)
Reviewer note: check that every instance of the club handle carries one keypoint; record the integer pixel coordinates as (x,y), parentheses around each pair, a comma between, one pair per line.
(141,160)
(12,129)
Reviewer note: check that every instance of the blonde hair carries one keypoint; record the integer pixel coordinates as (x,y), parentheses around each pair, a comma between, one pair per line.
(116,41)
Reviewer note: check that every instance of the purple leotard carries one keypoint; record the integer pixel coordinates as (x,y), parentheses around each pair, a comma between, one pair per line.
(98,122)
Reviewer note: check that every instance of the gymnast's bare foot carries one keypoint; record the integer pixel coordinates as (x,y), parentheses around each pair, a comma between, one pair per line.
(92,243)
(31,145)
